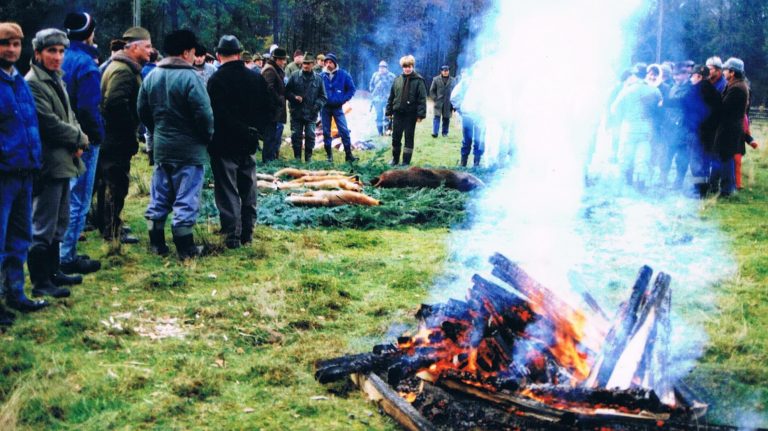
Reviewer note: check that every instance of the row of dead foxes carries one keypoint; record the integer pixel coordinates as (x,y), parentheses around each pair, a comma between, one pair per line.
(335,188)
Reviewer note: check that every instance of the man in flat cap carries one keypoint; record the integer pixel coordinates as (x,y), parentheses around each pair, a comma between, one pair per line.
(119,93)
(240,108)
(21,156)
(306,96)
(83,79)
(730,130)
(440,92)
(174,105)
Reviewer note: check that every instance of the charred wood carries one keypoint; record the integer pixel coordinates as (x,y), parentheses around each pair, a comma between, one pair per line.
(338,368)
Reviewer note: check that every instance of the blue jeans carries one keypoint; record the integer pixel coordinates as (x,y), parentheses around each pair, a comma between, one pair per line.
(472,133)
(80,193)
(15,228)
(723,176)
(175,188)
(341,124)
(382,122)
(436,125)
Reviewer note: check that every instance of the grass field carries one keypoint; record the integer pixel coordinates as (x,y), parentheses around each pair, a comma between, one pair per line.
(228,341)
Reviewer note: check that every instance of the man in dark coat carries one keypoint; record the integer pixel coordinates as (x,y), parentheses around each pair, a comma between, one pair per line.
(700,108)
(174,105)
(21,156)
(440,92)
(730,130)
(407,104)
(339,88)
(240,108)
(306,94)
(82,76)
(120,84)
(275,78)
(63,144)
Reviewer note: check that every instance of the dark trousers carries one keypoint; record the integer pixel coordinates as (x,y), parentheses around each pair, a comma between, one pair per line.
(436,124)
(235,193)
(15,228)
(271,142)
(306,128)
(403,124)
(114,178)
(50,210)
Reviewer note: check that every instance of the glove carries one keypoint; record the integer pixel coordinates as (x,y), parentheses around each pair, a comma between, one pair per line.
(753,144)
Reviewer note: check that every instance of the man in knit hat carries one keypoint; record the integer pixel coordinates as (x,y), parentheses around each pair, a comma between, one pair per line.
(83,81)
(119,92)
(63,144)
(295,66)
(339,88)
(174,105)
(21,156)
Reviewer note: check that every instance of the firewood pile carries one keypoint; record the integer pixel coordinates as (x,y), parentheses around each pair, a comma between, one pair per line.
(318,188)
(520,357)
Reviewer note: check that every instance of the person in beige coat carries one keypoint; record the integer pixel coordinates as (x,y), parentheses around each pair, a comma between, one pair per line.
(63,143)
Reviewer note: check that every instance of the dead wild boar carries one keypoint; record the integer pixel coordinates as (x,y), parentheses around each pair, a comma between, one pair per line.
(430,178)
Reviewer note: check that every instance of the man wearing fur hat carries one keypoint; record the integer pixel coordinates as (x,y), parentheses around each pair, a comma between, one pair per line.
(82,76)
(174,105)
(730,130)
(19,159)
(63,144)
(119,92)
(339,88)
(240,106)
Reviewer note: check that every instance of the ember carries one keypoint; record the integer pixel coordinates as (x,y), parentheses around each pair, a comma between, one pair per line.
(525,350)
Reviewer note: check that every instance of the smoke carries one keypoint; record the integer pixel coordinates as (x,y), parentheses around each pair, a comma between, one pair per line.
(558,206)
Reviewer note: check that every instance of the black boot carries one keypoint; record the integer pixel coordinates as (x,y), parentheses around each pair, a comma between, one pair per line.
(407,158)
(476,161)
(297,153)
(329,154)
(13,270)
(186,248)
(157,243)
(6,317)
(307,155)
(350,158)
(464,160)
(395,157)
(58,277)
(40,272)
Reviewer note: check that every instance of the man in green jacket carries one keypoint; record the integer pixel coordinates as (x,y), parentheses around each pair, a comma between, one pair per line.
(175,107)
(119,90)
(407,104)
(63,144)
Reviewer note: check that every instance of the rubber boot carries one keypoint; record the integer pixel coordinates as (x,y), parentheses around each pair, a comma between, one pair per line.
(297,154)
(395,156)
(307,155)
(476,160)
(407,158)
(58,277)
(464,161)
(349,157)
(185,246)
(13,277)
(329,154)
(157,243)
(40,272)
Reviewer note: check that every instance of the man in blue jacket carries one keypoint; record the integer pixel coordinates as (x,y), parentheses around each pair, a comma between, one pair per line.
(83,79)
(174,105)
(339,89)
(21,156)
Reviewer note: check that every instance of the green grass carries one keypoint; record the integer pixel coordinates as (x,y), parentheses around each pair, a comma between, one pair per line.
(254,320)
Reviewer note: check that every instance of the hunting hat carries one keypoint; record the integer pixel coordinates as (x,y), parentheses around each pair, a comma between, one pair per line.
(246,56)
(10,30)
(715,62)
(229,45)
(734,64)
(702,70)
(136,33)
(445,67)
(383,63)
(320,57)
(257,57)
(308,59)
(49,37)
(279,53)
(331,56)
(298,52)
(79,25)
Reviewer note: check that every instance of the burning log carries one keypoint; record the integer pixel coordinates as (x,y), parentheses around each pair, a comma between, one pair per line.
(338,368)
(391,402)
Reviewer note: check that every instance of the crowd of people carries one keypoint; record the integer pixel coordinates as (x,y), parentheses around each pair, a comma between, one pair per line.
(691,116)
(70,128)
